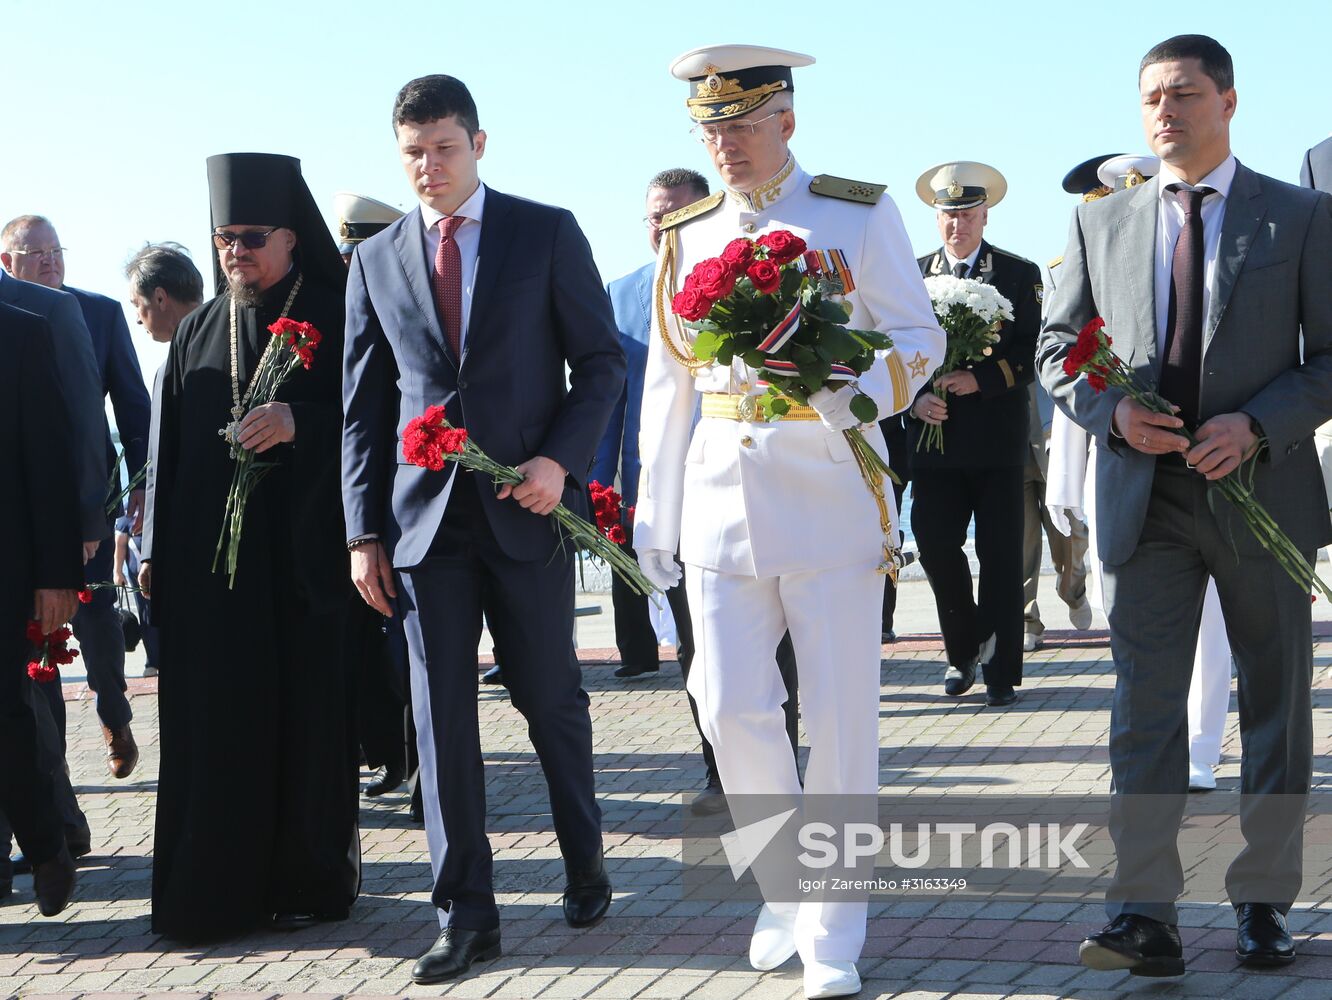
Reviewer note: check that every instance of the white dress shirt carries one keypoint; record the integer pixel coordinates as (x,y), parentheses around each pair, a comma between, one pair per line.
(468,238)
(954,261)
(1169,222)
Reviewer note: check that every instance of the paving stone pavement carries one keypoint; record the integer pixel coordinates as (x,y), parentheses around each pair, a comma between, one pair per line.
(655,944)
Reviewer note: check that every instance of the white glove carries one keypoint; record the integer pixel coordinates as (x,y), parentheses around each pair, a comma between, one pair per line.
(834,408)
(660,567)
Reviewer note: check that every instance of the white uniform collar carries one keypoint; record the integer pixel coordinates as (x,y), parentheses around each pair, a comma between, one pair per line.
(780,185)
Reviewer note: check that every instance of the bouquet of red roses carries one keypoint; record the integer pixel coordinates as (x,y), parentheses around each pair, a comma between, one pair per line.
(1092,356)
(276,364)
(50,650)
(770,304)
(430,441)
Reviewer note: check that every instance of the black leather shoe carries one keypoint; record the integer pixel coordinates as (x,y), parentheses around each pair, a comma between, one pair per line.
(494,676)
(53,882)
(958,680)
(587,893)
(453,953)
(887,637)
(79,843)
(999,695)
(634,670)
(711,800)
(417,811)
(1143,946)
(295,921)
(1263,938)
(387,778)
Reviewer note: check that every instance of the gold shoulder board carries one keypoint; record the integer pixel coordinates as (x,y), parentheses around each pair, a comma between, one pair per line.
(1055,263)
(692,211)
(839,187)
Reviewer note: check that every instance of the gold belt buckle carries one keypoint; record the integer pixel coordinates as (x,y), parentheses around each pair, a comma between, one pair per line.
(747,408)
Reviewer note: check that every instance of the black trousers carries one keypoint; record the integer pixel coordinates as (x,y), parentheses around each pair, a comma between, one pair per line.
(894,435)
(636,640)
(943,503)
(529,606)
(27,797)
(381,695)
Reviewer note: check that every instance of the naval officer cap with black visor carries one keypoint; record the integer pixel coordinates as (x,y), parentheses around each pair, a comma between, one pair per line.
(961,184)
(734,81)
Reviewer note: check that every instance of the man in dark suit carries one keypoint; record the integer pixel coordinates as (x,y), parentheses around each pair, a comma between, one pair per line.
(1316,170)
(1212,280)
(980,469)
(477,301)
(32,252)
(39,501)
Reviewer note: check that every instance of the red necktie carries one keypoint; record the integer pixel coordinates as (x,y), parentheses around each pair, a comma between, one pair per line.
(448,283)
(1181,371)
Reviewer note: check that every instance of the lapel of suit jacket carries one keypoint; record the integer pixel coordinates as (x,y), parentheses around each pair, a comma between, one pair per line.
(1135,232)
(496,235)
(410,244)
(1245,208)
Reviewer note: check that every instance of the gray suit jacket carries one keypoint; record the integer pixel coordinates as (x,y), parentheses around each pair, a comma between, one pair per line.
(81,385)
(1271,285)
(1316,171)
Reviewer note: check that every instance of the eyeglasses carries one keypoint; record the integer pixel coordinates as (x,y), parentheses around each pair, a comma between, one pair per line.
(256,240)
(653,221)
(50,254)
(731,130)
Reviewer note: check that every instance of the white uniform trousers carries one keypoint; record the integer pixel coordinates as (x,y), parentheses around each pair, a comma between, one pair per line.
(834,619)
(1209,690)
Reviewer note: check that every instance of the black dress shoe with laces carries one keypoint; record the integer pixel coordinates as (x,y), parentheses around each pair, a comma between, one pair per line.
(1263,938)
(385,779)
(711,800)
(1143,946)
(587,893)
(637,669)
(453,953)
(999,695)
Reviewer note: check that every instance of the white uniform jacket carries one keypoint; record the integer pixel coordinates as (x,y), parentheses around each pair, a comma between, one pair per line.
(766,499)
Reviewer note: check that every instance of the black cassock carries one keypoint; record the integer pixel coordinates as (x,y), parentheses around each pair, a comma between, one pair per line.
(257,796)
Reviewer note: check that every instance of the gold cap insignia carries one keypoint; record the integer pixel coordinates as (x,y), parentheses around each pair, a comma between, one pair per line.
(954,189)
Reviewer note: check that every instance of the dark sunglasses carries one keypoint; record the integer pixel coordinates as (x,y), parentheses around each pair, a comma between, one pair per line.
(250,241)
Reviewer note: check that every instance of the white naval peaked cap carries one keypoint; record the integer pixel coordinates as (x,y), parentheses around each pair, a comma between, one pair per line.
(726,81)
(357,208)
(961,184)
(1118,172)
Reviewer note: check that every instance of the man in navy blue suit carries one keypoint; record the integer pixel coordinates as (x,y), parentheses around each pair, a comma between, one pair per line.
(32,252)
(477,301)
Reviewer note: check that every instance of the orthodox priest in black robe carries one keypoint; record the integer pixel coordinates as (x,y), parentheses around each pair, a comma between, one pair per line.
(257,797)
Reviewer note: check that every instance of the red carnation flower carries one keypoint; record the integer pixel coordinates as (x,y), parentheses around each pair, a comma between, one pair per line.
(783,246)
(85,596)
(616,534)
(766,276)
(35,633)
(41,673)
(715,278)
(62,634)
(453,440)
(1097,382)
(738,253)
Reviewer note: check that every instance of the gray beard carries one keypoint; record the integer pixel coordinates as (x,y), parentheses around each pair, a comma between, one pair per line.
(245,295)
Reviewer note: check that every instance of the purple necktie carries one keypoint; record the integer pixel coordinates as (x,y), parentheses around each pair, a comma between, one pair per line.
(1181,372)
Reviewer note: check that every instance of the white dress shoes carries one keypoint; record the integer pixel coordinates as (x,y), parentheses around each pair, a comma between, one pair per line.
(1201,778)
(831,979)
(773,942)
(1081,616)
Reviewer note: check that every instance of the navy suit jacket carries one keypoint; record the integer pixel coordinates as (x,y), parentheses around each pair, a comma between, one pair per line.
(122,379)
(537,305)
(631,299)
(80,386)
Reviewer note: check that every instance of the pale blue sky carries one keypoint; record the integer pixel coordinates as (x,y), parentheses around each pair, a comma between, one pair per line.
(111,109)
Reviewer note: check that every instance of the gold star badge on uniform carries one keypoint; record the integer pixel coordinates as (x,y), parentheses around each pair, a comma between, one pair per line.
(918,365)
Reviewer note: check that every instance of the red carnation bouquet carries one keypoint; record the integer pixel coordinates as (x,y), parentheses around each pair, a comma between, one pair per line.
(607,505)
(773,305)
(430,441)
(293,346)
(50,652)
(1093,357)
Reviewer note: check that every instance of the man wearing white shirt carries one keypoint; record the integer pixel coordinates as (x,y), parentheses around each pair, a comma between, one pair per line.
(1212,280)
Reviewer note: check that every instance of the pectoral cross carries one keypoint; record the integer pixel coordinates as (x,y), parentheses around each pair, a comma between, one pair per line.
(231,432)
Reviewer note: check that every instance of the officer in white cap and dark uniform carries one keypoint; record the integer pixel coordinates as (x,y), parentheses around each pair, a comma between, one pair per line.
(359,218)
(979,472)
(774,520)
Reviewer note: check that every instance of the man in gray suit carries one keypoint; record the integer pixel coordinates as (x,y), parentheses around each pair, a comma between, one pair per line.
(1205,276)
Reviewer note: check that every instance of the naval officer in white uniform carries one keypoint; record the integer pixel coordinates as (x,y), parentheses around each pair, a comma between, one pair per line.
(774,520)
